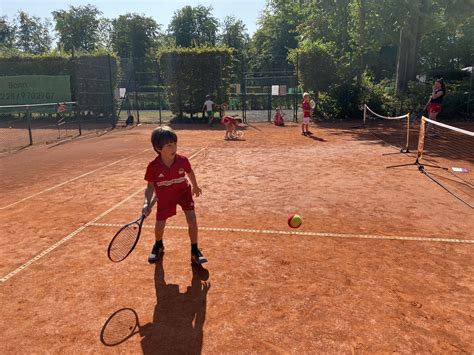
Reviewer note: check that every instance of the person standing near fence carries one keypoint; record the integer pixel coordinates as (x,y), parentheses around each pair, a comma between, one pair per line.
(434,104)
(208,107)
(306,106)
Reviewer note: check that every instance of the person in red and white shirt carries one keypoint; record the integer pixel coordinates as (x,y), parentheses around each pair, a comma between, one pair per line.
(171,179)
(306,106)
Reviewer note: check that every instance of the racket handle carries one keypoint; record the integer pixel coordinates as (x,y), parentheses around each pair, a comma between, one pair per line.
(147,210)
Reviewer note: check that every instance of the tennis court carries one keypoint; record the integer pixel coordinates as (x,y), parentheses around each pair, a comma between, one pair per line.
(382,262)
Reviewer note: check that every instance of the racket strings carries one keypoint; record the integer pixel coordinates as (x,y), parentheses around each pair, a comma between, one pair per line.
(124,242)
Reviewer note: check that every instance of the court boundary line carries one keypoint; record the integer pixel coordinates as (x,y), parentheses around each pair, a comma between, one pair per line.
(78,230)
(314,234)
(70,180)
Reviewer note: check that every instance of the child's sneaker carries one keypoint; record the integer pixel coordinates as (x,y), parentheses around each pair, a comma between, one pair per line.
(156,254)
(198,258)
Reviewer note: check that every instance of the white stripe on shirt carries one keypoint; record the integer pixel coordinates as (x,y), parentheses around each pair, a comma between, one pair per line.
(171,182)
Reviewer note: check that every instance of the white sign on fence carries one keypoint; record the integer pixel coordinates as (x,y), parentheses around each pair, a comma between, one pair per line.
(275,90)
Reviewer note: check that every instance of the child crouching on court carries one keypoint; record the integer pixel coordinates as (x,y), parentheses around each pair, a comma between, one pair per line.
(167,176)
(230,124)
(278,118)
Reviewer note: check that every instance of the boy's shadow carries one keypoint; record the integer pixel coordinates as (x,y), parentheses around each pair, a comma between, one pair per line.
(313,137)
(178,318)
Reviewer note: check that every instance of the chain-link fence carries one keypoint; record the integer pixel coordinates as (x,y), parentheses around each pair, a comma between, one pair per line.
(113,91)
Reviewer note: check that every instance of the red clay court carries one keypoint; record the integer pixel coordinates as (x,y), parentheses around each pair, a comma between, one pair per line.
(382,263)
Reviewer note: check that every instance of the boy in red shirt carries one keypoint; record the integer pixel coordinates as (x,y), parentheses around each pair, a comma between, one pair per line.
(166,176)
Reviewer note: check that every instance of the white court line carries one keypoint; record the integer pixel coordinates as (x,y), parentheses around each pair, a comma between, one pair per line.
(77,231)
(315,234)
(71,180)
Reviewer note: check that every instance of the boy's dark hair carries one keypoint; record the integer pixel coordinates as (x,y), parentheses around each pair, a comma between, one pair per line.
(162,136)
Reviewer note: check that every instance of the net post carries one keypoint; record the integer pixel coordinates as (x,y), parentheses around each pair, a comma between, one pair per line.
(112,98)
(407,149)
(365,114)
(421,140)
(28,119)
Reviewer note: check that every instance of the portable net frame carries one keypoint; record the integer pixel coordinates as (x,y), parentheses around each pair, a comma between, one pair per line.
(391,130)
(29,124)
(446,155)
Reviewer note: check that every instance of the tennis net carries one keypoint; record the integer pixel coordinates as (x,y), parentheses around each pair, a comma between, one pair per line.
(446,153)
(391,130)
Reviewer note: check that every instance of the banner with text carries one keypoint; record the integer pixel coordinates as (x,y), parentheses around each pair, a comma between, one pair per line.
(34,89)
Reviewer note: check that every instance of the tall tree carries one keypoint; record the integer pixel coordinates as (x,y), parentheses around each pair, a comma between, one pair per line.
(194,27)
(234,35)
(7,33)
(105,33)
(78,27)
(448,35)
(410,35)
(134,35)
(276,35)
(33,34)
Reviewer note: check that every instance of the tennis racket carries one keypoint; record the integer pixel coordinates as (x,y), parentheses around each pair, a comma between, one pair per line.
(312,103)
(125,240)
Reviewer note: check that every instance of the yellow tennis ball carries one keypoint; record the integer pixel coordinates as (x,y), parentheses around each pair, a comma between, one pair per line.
(294,221)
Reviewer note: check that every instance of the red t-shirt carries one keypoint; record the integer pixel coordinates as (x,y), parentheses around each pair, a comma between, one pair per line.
(168,181)
(306,109)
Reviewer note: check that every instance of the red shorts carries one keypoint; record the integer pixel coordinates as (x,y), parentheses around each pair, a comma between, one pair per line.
(434,107)
(167,205)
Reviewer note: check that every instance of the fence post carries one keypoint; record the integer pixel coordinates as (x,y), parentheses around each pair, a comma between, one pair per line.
(158,86)
(112,98)
(28,119)
(269,111)
(78,116)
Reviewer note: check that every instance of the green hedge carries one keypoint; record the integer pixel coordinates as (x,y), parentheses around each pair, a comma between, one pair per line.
(193,73)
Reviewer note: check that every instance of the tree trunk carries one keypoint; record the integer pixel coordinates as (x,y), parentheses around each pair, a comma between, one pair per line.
(361,38)
(410,37)
(401,81)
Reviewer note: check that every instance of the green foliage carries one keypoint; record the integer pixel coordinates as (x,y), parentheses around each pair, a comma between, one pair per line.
(7,34)
(32,35)
(275,37)
(194,27)
(78,28)
(316,65)
(234,35)
(344,101)
(193,73)
(27,64)
(93,80)
(133,35)
(448,36)
(333,42)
